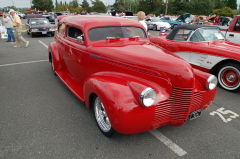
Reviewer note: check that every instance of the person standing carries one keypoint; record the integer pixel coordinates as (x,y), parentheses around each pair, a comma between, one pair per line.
(141,16)
(7,22)
(17,23)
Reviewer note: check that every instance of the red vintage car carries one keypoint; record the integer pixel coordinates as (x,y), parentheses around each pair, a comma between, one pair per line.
(206,49)
(131,84)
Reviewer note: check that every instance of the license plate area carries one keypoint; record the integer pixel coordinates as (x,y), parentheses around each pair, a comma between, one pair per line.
(44,32)
(195,114)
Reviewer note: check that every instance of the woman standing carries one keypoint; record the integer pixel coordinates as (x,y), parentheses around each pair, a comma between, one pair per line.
(141,16)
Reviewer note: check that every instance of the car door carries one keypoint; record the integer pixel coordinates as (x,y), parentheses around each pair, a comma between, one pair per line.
(180,44)
(75,53)
(234,36)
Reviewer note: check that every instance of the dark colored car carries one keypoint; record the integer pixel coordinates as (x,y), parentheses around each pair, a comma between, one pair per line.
(40,26)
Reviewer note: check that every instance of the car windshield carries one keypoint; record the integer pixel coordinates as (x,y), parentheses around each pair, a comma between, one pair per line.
(207,34)
(39,21)
(111,32)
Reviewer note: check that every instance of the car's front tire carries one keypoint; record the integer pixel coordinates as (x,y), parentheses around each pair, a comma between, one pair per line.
(101,117)
(229,76)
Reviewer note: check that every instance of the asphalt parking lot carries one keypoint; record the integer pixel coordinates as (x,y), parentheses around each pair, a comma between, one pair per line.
(41,118)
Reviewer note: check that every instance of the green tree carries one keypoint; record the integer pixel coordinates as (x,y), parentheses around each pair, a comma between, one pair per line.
(85,4)
(118,6)
(224,12)
(98,6)
(232,4)
(204,7)
(73,4)
(218,4)
(147,6)
(56,5)
(43,5)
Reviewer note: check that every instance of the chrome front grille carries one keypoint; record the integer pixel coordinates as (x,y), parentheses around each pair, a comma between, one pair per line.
(176,108)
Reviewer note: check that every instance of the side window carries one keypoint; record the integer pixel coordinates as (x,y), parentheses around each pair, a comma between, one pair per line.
(182,35)
(61,28)
(74,32)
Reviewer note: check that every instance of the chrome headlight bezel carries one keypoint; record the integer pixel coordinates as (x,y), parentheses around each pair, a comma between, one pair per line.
(212,82)
(148,97)
(52,29)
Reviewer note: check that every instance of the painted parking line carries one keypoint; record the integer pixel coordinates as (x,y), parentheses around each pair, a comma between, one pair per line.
(175,148)
(43,43)
(20,63)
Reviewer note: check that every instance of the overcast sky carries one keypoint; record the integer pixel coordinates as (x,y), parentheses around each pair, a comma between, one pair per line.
(26,3)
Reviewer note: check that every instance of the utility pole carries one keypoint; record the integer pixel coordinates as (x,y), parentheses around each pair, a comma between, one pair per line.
(166,7)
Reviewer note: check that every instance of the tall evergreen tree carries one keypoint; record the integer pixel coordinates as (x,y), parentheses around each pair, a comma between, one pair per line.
(98,6)
(203,7)
(43,5)
(56,5)
(232,4)
(73,4)
(85,4)
(218,4)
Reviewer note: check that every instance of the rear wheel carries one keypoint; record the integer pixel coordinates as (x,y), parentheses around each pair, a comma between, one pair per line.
(154,28)
(52,65)
(229,76)
(101,117)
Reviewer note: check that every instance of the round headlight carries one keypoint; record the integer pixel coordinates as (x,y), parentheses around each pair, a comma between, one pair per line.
(212,82)
(148,97)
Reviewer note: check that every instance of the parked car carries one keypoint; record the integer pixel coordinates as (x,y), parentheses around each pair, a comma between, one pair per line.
(131,85)
(21,15)
(205,48)
(176,21)
(130,17)
(40,26)
(156,24)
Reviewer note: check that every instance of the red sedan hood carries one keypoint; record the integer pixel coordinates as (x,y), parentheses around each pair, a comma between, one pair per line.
(139,54)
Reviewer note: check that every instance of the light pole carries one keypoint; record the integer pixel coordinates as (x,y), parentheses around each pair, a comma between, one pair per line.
(166,7)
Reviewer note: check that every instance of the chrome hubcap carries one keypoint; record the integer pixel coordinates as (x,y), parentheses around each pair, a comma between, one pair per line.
(101,116)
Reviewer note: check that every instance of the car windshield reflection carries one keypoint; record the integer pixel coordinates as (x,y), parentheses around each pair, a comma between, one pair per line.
(102,33)
(39,21)
(207,34)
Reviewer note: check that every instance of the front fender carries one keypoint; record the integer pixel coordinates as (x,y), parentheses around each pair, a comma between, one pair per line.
(54,54)
(124,110)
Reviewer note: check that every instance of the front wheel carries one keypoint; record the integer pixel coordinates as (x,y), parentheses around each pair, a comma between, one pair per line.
(101,117)
(229,76)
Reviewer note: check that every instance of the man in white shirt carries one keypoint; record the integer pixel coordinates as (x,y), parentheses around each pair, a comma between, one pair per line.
(7,22)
